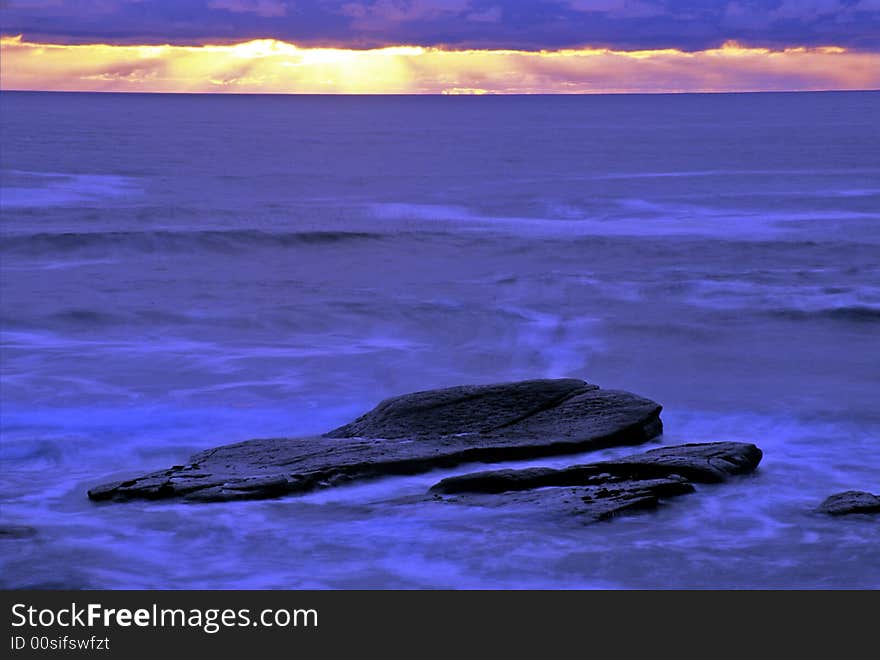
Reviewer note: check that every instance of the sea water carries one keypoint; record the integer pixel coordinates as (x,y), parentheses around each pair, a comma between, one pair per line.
(180,272)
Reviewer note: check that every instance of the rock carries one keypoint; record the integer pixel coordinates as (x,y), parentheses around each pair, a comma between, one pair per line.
(851,501)
(561,410)
(17,532)
(411,434)
(589,503)
(703,463)
(600,490)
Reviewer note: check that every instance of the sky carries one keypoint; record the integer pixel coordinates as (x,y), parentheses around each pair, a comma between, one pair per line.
(439,46)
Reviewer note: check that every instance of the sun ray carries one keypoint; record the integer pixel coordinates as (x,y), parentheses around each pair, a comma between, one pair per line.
(272,66)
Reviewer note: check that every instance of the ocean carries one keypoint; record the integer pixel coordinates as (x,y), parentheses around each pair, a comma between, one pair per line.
(179,272)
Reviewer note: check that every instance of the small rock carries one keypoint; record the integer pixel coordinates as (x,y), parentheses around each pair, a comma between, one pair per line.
(597,491)
(711,462)
(851,501)
(17,531)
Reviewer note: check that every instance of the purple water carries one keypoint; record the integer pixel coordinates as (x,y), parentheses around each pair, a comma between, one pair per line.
(179,272)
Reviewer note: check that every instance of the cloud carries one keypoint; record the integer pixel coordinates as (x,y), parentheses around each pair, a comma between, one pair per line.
(809,10)
(266,8)
(620,8)
(490,15)
(271,66)
(399,11)
(690,25)
(383,15)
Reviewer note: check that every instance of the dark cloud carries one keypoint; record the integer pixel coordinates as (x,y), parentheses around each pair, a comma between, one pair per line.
(519,24)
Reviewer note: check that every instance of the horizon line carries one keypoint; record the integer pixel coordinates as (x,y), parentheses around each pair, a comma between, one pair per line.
(443,95)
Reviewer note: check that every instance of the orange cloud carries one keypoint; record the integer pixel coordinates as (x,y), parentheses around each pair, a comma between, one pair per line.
(270,66)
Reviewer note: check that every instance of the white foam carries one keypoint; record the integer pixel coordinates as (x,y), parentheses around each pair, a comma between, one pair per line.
(749,294)
(733,172)
(639,217)
(440,212)
(60,189)
(59,265)
(558,345)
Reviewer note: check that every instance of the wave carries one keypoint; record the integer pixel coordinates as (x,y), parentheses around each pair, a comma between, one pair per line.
(853,313)
(44,189)
(214,240)
(790,299)
(741,173)
(632,217)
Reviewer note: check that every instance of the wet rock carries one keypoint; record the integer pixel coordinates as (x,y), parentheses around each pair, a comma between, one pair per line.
(411,434)
(851,501)
(600,490)
(17,532)
(560,410)
(710,462)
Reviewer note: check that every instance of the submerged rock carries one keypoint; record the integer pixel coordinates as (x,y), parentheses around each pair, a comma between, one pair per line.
(851,501)
(411,434)
(17,531)
(600,490)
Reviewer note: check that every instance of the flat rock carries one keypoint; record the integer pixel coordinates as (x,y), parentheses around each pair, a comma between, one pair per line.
(711,462)
(851,501)
(411,434)
(597,491)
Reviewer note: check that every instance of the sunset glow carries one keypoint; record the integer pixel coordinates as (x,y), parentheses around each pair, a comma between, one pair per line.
(272,66)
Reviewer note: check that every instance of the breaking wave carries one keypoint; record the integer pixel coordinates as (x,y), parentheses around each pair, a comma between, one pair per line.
(172,241)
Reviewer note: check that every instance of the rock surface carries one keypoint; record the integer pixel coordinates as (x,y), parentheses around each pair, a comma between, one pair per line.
(600,490)
(851,501)
(411,434)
